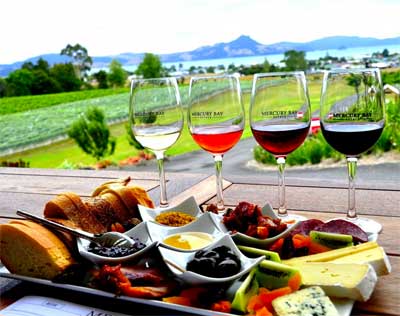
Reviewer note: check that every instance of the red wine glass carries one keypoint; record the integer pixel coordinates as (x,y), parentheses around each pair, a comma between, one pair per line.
(352,120)
(216,118)
(280,119)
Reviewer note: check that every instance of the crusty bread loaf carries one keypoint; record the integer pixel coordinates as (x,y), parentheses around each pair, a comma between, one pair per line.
(32,250)
(112,202)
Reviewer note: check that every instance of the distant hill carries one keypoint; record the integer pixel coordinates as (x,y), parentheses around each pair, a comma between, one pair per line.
(241,47)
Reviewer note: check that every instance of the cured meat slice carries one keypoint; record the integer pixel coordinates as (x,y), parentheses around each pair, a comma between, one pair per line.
(340,226)
(306,226)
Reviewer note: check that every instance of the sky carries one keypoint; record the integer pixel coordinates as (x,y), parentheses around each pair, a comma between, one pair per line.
(108,27)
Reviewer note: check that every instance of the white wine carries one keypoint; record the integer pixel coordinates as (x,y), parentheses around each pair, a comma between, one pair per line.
(157,138)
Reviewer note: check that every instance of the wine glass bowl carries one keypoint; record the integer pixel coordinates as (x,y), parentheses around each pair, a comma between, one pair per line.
(156,119)
(352,120)
(280,118)
(216,118)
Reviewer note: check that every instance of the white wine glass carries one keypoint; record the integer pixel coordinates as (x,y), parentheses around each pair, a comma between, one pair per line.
(352,120)
(156,119)
(280,118)
(216,118)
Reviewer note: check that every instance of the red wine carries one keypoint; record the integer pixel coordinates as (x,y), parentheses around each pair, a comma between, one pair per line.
(280,140)
(352,139)
(217,139)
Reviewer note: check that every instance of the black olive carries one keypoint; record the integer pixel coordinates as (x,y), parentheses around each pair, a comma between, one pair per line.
(221,250)
(227,268)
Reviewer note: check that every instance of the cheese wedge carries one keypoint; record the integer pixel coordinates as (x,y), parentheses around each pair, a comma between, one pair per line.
(376,257)
(333,254)
(306,302)
(344,280)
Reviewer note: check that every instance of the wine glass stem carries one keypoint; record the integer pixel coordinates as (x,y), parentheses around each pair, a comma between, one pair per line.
(163,186)
(218,170)
(281,187)
(352,168)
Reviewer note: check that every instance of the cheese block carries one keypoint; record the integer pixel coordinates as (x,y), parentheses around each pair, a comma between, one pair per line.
(343,280)
(306,302)
(376,257)
(332,254)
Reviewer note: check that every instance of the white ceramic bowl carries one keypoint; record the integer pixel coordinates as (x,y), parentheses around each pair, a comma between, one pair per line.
(243,239)
(188,206)
(177,263)
(204,224)
(140,232)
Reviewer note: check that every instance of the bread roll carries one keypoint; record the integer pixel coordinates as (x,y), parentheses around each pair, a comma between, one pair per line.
(32,250)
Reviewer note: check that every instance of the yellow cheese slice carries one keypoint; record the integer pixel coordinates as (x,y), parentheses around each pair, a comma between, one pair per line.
(376,257)
(332,254)
(344,280)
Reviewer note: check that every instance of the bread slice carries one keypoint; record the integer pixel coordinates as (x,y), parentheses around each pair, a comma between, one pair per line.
(131,197)
(30,249)
(59,207)
(85,219)
(120,210)
(67,239)
(102,211)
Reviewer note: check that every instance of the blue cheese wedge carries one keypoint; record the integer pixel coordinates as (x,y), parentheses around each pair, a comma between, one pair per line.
(343,280)
(306,302)
(376,257)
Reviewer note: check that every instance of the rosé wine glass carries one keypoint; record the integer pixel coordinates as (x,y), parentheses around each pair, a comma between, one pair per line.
(280,118)
(216,118)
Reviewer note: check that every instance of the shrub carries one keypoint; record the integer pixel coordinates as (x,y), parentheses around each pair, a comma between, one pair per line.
(92,134)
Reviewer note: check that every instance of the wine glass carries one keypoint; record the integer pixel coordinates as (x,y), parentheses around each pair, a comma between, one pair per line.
(280,118)
(156,119)
(352,120)
(216,118)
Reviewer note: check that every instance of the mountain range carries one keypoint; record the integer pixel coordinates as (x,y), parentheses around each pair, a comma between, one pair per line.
(241,47)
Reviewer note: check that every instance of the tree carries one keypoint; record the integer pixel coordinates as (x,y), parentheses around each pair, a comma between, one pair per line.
(92,134)
(3,87)
(210,69)
(102,79)
(295,60)
(19,82)
(117,75)
(66,76)
(81,60)
(150,67)
(385,53)
(43,83)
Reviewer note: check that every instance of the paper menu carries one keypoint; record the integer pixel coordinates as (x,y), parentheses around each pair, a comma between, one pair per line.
(45,306)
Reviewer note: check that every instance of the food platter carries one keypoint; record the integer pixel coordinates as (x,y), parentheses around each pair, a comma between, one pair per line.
(154,234)
(343,306)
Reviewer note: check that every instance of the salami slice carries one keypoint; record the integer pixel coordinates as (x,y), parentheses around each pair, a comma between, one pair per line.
(304,227)
(340,226)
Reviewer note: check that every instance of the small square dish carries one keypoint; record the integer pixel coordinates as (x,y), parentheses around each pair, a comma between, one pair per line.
(188,238)
(188,206)
(138,233)
(178,263)
(244,239)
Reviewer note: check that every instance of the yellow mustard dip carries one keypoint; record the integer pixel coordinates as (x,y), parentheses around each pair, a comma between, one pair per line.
(189,240)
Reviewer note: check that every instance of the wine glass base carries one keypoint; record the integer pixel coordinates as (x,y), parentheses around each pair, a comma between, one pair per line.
(292,217)
(368,225)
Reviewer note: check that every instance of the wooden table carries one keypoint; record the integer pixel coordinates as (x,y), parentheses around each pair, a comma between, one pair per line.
(30,189)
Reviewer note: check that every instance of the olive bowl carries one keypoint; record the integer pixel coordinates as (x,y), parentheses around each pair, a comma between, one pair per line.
(177,263)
